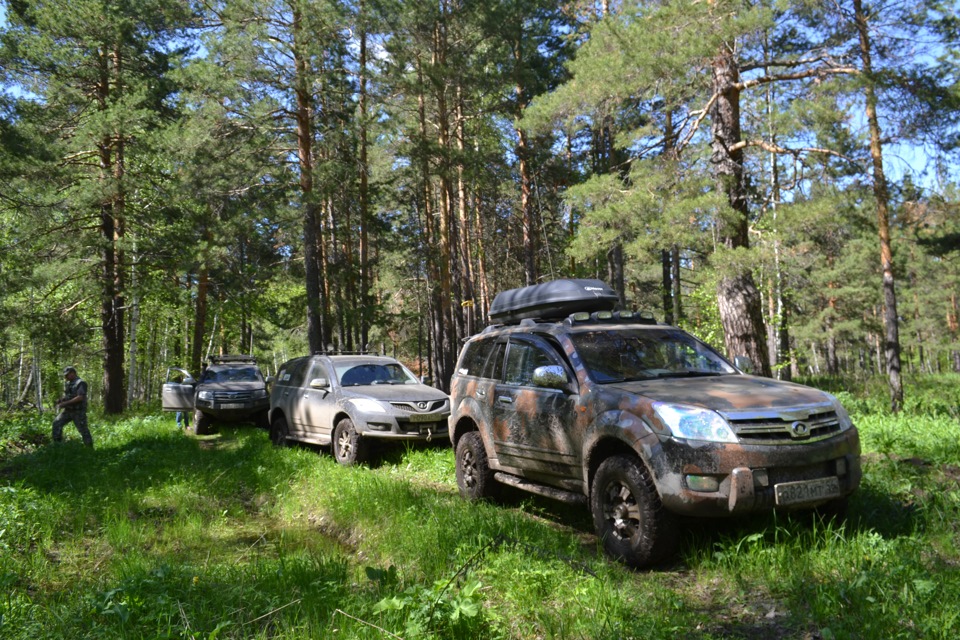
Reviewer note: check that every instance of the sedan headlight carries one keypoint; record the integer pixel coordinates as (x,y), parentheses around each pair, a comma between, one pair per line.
(205,395)
(694,423)
(842,416)
(365,405)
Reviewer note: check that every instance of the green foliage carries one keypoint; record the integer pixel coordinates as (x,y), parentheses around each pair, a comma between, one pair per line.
(155,534)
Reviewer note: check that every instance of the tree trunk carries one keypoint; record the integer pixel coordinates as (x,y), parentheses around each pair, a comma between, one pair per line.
(364,196)
(317,332)
(880,193)
(200,318)
(666,286)
(741,312)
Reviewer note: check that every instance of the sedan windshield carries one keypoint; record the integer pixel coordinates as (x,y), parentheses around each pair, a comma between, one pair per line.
(619,355)
(352,375)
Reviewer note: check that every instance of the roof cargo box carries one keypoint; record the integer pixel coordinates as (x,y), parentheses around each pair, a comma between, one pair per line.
(552,300)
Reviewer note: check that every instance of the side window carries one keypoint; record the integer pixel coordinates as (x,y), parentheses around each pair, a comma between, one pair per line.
(292,374)
(494,367)
(522,360)
(476,356)
(317,370)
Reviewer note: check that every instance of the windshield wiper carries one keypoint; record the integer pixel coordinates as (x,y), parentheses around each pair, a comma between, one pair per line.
(688,374)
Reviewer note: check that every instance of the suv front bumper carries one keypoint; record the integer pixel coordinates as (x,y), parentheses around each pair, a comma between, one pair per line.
(725,479)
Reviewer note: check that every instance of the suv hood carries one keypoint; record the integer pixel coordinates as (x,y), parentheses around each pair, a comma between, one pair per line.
(726,392)
(253,385)
(394,392)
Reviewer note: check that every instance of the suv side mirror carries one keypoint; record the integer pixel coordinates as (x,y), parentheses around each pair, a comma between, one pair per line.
(551,377)
(319,383)
(188,381)
(269,379)
(743,363)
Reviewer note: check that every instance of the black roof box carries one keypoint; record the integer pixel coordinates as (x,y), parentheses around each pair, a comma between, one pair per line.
(552,300)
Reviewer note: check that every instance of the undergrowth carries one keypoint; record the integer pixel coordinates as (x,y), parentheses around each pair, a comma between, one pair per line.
(155,534)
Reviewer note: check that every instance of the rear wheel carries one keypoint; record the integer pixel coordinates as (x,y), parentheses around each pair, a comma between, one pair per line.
(202,424)
(629,519)
(279,431)
(474,476)
(348,447)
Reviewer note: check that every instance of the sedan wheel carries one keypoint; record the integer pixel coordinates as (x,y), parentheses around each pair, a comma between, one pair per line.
(279,432)
(348,447)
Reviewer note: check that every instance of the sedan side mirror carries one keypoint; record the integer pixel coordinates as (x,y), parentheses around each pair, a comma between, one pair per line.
(551,377)
(743,363)
(319,383)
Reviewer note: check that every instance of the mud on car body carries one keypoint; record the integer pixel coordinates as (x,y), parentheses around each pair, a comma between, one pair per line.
(639,420)
(231,389)
(349,400)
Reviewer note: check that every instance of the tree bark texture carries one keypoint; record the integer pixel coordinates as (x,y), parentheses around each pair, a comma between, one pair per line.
(890,317)
(741,313)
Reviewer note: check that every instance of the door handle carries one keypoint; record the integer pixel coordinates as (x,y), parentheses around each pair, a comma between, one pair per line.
(505,399)
(482,394)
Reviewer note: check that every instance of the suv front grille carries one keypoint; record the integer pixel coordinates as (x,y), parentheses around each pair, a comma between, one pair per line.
(778,429)
(419,407)
(226,396)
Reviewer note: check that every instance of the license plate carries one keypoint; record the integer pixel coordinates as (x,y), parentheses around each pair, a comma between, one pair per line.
(422,417)
(232,406)
(803,491)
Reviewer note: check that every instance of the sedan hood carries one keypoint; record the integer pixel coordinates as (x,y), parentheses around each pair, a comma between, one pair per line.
(727,393)
(395,392)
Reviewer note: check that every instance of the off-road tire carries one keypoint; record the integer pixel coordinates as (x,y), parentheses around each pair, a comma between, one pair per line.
(474,476)
(279,432)
(202,423)
(633,526)
(348,447)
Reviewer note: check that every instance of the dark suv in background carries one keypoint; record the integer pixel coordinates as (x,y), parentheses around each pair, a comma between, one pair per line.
(565,397)
(230,389)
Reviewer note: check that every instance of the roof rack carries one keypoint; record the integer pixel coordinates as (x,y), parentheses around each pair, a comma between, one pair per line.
(232,358)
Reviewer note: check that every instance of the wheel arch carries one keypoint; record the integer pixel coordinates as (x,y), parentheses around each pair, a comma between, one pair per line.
(465,424)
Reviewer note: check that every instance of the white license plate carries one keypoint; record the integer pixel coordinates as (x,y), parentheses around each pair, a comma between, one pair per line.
(804,491)
(232,406)
(422,417)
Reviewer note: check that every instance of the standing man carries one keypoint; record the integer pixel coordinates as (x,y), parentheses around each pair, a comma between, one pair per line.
(73,407)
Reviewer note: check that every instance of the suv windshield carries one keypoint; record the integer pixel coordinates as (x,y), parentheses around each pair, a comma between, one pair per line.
(232,374)
(620,355)
(352,375)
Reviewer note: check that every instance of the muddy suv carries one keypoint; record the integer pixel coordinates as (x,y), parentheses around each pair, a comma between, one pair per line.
(230,389)
(567,398)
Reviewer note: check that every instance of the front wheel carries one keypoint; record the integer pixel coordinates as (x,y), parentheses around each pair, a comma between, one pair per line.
(202,424)
(629,519)
(474,476)
(348,447)
(279,432)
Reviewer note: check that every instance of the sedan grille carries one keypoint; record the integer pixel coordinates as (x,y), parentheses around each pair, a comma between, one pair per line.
(785,429)
(425,406)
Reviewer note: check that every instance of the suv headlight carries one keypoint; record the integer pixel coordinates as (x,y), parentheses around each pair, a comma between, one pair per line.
(694,423)
(842,416)
(205,395)
(259,394)
(366,405)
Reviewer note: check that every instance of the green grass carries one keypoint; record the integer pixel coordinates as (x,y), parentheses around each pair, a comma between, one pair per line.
(158,535)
